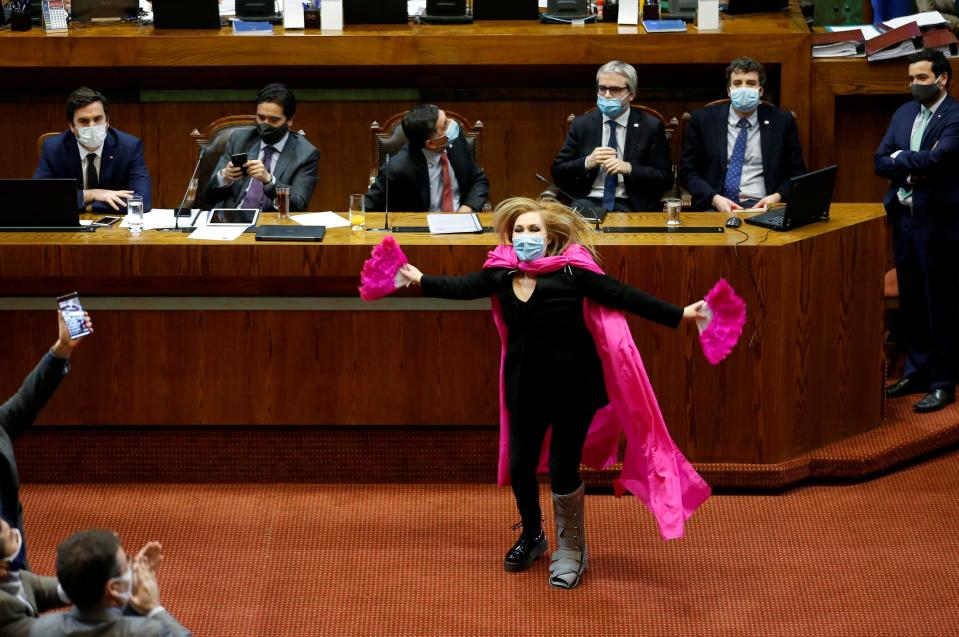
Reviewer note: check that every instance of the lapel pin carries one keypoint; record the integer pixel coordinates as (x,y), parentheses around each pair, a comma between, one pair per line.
(635,125)
(766,121)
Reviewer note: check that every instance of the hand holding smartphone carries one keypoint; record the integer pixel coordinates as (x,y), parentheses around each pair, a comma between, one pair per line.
(72,313)
(238,160)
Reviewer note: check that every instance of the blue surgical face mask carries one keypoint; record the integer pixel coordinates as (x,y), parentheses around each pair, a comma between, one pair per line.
(610,106)
(439,144)
(745,99)
(529,247)
(452,131)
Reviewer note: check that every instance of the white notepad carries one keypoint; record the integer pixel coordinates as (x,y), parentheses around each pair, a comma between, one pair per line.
(453,223)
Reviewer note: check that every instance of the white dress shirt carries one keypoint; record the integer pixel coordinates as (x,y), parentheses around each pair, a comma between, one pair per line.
(435,171)
(599,184)
(83,161)
(751,182)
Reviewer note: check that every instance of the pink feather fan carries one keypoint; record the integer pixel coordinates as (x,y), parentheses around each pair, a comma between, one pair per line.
(380,272)
(719,333)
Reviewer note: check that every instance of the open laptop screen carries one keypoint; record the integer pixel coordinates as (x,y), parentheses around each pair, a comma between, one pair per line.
(38,202)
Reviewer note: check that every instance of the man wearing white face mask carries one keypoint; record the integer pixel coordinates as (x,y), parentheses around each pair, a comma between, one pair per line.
(615,156)
(23,595)
(113,596)
(740,154)
(433,172)
(107,163)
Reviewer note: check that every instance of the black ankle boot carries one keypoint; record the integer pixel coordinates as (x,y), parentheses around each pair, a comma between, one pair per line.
(527,548)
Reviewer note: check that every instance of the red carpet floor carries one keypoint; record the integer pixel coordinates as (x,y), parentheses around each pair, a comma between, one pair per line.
(870,559)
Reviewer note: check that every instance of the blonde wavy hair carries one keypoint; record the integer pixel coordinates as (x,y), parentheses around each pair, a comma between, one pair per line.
(563,226)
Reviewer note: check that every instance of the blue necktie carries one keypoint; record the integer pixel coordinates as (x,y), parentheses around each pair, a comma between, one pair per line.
(254,195)
(609,188)
(734,171)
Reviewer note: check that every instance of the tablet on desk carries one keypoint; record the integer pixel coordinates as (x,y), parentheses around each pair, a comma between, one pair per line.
(234,216)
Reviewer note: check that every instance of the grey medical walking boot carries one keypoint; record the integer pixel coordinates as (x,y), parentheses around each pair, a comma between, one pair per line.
(569,561)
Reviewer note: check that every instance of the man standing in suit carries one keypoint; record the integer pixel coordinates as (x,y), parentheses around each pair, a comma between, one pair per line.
(23,595)
(615,156)
(276,156)
(741,154)
(113,596)
(106,162)
(19,413)
(919,154)
(433,172)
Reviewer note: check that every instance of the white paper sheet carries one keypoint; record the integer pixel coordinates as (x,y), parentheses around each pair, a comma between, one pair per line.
(227,7)
(629,12)
(331,15)
(328,219)
(924,19)
(450,223)
(163,218)
(868,31)
(218,233)
(293,15)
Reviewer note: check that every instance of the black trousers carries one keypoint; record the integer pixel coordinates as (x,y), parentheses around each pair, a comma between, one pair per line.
(528,426)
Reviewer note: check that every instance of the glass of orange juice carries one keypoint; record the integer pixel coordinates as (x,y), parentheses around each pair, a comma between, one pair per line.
(358,212)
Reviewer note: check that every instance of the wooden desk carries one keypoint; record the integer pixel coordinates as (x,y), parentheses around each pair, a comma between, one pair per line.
(248,333)
(521,79)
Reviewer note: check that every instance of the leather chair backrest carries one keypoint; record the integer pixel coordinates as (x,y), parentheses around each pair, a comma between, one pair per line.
(42,138)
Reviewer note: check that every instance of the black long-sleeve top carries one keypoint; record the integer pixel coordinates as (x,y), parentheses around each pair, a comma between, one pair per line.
(550,354)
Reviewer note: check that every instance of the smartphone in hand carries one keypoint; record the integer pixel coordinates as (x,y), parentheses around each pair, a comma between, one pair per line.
(238,160)
(72,313)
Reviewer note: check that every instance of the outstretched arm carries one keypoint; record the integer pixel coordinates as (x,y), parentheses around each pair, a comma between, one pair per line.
(461,288)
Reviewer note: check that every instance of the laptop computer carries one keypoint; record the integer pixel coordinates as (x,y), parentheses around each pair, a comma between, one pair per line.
(38,203)
(186,14)
(375,12)
(506,9)
(808,202)
(290,233)
(104,10)
(734,7)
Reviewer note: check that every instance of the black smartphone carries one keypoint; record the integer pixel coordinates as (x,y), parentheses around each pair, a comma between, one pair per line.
(105,222)
(72,313)
(238,160)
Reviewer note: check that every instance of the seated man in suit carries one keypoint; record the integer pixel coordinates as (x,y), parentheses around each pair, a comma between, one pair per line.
(433,172)
(112,595)
(628,170)
(741,154)
(106,162)
(19,412)
(23,595)
(276,156)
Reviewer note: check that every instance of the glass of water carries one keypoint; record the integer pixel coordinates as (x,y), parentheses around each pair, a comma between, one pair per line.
(357,212)
(135,215)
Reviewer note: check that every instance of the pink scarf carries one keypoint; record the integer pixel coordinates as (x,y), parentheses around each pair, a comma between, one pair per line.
(654,470)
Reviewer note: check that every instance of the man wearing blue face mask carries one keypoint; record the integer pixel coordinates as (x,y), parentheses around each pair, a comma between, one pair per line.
(615,156)
(919,155)
(107,163)
(740,154)
(433,172)
(275,156)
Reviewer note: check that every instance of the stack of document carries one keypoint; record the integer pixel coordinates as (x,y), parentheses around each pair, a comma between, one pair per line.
(453,223)
(851,43)
(897,43)
(925,20)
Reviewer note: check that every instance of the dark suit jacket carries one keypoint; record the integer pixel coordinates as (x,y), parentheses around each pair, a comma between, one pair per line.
(410,180)
(702,169)
(111,622)
(296,167)
(645,148)
(15,618)
(121,166)
(16,416)
(550,352)
(935,195)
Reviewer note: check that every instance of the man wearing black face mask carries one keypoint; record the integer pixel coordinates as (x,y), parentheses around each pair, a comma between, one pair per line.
(919,155)
(276,156)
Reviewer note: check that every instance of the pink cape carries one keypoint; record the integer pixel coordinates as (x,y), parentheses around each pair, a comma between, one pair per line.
(654,470)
